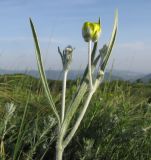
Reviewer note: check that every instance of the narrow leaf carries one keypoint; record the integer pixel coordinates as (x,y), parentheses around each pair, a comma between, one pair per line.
(20,134)
(59,51)
(42,73)
(111,43)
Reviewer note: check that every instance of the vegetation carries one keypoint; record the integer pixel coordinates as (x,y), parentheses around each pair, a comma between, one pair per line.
(116,126)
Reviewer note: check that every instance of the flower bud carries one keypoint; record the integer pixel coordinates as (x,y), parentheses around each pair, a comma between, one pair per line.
(67,57)
(91,31)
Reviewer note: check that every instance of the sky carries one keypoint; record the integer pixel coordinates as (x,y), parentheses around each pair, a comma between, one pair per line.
(59,23)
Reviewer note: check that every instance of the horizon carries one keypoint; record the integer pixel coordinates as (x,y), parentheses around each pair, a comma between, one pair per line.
(71,70)
(59,23)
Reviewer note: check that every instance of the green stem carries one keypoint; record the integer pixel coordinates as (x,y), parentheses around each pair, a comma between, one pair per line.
(89,64)
(82,113)
(59,151)
(2,152)
(59,146)
(75,127)
(64,95)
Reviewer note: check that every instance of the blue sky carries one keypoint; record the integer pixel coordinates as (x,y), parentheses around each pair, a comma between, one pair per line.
(59,23)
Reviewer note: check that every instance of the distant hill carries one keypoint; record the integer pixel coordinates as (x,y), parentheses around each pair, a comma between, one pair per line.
(51,74)
(146,78)
(127,75)
(73,74)
(56,74)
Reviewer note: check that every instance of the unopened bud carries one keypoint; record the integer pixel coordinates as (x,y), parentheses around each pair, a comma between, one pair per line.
(67,57)
(91,31)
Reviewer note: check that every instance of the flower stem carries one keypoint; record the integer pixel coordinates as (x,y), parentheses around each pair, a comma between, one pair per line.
(64,95)
(77,123)
(59,149)
(89,64)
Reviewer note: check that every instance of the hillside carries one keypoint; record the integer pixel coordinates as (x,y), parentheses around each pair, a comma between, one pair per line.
(146,78)
(74,74)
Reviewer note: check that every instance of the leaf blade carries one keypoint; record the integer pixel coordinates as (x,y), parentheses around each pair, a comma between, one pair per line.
(111,42)
(41,71)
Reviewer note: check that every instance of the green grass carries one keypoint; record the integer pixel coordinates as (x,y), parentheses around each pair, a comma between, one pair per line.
(116,126)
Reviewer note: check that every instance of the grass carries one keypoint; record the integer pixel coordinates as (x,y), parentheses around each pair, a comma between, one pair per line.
(116,126)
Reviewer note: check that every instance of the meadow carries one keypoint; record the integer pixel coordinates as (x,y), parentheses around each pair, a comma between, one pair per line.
(116,126)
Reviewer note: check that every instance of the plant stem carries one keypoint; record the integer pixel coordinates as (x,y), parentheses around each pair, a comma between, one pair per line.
(75,127)
(2,151)
(64,95)
(89,64)
(59,146)
(59,152)
(59,155)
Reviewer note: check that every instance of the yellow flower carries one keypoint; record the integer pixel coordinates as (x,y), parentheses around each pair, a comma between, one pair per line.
(91,31)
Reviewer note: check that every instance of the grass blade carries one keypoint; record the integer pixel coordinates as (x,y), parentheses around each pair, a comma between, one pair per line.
(20,134)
